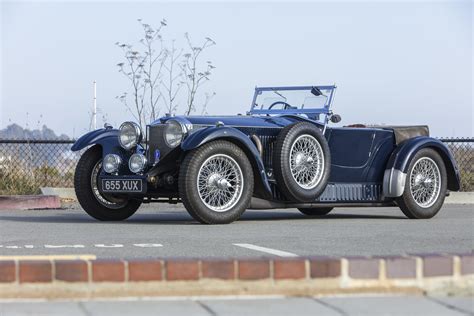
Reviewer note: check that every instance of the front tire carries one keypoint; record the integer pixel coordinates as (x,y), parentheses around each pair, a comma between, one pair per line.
(425,186)
(216,182)
(97,205)
(317,211)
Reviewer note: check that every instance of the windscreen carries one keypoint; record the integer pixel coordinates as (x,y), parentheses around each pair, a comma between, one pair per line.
(287,99)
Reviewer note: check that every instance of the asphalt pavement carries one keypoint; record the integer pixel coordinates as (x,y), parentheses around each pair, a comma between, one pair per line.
(274,306)
(161,230)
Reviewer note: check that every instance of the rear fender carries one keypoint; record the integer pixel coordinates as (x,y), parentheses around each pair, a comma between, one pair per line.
(231,134)
(399,162)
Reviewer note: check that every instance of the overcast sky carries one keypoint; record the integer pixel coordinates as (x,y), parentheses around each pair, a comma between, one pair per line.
(393,63)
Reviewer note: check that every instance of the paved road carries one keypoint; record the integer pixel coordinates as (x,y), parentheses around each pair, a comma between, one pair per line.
(168,231)
(375,305)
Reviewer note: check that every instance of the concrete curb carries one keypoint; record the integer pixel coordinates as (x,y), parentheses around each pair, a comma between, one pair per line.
(63,193)
(460,198)
(300,276)
(29,202)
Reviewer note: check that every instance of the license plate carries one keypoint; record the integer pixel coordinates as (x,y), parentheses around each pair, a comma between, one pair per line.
(122,185)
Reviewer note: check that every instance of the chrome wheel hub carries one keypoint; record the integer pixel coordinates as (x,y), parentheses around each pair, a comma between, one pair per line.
(220,183)
(306,161)
(217,181)
(425,182)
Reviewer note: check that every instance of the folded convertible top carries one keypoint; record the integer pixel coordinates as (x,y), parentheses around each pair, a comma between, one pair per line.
(405,132)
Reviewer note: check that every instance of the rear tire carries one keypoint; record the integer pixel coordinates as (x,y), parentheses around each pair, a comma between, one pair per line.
(425,185)
(318,211)
(216,182)
(97,205)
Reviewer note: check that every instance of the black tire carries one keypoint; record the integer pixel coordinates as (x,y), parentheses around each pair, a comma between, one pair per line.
(281,162)
(407,202)
(318,211)
(118,210)
(188,182)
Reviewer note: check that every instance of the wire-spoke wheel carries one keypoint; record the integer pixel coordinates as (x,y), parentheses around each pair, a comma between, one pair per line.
(306,161)
(425,181)
(216,182)
(425,185)
(220,182)
(301,162)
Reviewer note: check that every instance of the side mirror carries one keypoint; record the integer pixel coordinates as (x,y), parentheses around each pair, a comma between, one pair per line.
(336,118)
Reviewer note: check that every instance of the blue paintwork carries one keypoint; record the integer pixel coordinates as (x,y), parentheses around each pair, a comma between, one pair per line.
(359,154)
(384,144)
(208,134)
(238,120)
(108,140)
(103,137)
(403,154)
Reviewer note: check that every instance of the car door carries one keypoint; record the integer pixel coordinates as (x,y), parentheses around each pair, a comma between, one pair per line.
(351,149)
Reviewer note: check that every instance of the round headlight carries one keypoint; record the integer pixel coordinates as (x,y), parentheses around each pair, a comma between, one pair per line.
(137,163)
(111,163)
(174,133)
(130,135)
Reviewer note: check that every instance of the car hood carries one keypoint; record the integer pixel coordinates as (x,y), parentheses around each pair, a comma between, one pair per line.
(240,120)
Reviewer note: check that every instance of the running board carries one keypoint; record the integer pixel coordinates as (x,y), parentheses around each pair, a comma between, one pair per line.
(260,204)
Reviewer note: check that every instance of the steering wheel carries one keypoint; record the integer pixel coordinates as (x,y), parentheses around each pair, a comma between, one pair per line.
(287,106)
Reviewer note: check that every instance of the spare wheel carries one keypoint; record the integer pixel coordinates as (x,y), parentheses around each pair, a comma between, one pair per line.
(301,162)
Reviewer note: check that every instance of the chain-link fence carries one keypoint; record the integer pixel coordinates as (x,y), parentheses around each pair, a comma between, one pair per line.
(463,151)
(28,165)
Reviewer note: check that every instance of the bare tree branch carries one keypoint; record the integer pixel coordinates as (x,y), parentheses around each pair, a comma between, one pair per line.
(171,85)
(157,73)
(194,78)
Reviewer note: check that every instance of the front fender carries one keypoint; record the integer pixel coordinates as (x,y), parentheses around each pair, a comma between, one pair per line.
(399,162)
(208,134)
(107,138)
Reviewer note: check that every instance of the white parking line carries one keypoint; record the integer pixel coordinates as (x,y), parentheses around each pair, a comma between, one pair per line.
(108,246)
(148,245)
(49,246)
(275,252)
(62,246)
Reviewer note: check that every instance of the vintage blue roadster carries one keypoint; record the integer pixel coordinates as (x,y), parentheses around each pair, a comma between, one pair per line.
(280,154)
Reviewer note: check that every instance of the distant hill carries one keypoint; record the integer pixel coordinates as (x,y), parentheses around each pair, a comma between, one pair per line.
(15,131)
